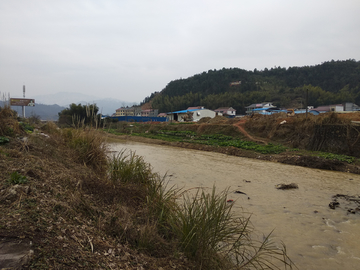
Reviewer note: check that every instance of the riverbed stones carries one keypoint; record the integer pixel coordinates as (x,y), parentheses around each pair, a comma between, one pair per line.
(349,203)
(287,186)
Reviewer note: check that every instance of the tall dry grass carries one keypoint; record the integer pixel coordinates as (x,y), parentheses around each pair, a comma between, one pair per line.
(91,119)
(89,147)
(127,167)
(211,234)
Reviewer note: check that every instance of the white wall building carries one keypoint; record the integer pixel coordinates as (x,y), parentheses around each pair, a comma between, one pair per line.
(195,115)
(226,111)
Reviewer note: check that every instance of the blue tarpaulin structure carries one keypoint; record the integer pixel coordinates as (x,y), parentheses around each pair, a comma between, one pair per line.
(267,111)
(130,118)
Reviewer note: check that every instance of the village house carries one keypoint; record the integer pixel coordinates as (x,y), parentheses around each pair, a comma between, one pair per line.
(346,107)
(149,113)
(125,111)
(349,106)
(134,111)
(226,111)
(265,105)
(330,108)
(190,115)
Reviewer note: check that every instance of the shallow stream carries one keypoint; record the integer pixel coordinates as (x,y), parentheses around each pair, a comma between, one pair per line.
(316,237)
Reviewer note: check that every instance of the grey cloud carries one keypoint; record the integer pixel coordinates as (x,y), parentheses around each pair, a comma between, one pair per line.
(135,47)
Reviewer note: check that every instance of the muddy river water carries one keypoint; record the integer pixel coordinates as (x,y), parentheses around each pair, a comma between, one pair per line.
(316,237)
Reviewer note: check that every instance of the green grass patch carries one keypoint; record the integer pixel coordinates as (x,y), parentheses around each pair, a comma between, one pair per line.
(264,149)
(115,132)
(4,140)
(212,139)
(169,135)
(342,158)
(28,128)
(223,140)
(16,179)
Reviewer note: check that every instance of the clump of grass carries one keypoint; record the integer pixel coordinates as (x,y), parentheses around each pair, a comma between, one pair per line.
(51,128)
(89,147)
(161,202)
(9,125)
(127,167)
(4,140)
(16,179)
(27,127)
(211,234)
(129,171)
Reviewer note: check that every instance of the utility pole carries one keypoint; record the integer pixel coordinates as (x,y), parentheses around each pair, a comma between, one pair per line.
(306,101)
(23,107)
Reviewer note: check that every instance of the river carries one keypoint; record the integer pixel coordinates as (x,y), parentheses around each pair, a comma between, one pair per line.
(316,237)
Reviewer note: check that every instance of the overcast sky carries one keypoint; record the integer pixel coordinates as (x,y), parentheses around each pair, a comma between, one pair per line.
(128,49)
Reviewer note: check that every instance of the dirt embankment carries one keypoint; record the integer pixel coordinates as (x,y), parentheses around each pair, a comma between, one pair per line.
(58,213)
(329,132)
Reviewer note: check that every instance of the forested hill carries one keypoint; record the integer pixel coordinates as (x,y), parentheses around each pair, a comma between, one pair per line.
(328,83)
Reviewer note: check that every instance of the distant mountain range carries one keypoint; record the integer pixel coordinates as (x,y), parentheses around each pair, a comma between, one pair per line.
(48,106)
(106,106)
(45,112)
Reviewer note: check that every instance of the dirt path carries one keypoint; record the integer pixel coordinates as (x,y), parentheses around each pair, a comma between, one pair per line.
(240,126)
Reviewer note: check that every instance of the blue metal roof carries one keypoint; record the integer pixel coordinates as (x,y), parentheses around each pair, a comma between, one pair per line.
(185,111)
(315,112)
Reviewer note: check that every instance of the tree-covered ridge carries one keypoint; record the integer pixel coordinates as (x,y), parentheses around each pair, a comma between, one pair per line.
(328,83)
